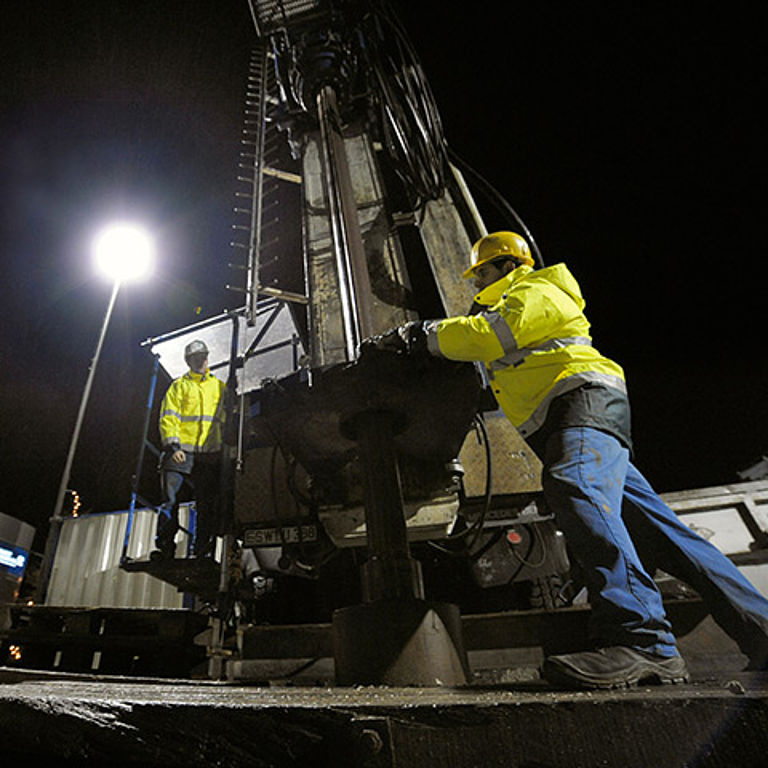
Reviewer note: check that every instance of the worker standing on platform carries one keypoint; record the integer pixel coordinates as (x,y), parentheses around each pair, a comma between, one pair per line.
(570,403)
(191,427)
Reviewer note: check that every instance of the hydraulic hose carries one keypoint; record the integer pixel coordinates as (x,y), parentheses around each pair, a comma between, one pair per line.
(498,199)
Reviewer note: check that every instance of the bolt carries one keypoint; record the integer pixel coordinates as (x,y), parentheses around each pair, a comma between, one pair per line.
(371,741)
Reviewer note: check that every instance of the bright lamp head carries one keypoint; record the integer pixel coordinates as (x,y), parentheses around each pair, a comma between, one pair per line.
(123,252)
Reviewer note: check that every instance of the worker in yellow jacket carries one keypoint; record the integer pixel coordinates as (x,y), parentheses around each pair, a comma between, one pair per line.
(570,403)
(191,425)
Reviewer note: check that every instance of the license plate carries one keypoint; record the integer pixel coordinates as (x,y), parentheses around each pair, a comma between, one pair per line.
(274,537)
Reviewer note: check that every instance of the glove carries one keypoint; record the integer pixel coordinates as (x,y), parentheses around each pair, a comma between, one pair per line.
(171,455)
(405,339)
(391,341)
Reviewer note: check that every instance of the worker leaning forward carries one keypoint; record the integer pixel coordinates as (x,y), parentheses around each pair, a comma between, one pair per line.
(570,403)
(191,426)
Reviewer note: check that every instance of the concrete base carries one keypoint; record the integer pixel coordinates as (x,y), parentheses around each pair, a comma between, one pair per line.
(506,716)
(713,723)
(402,642)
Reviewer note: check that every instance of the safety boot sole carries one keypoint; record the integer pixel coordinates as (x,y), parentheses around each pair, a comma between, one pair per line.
(624,669)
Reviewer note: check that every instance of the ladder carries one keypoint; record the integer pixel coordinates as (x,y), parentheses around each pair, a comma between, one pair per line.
(269,186)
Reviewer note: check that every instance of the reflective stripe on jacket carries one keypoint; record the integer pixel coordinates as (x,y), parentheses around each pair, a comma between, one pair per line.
(192,413)
(534,340)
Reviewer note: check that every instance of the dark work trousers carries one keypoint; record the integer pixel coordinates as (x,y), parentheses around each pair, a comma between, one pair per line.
(204,472)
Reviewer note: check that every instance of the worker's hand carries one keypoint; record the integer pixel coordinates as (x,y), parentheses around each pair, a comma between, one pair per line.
(391,341)
(407,338)
(178,457)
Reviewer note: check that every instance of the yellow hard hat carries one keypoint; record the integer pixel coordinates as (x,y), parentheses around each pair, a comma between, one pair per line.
(498,244)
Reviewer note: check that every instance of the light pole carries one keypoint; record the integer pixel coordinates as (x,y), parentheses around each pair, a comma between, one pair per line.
(121,252)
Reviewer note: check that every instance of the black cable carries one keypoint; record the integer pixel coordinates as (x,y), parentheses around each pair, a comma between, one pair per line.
(291,463)
(535,535)
(522,560)
(492,539)
(299,498)
(411,122)
(275,514)
(476,527)
(302,667)
(480,423)
(495,196)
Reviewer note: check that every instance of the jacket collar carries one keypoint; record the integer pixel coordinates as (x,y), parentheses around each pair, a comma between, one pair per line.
(198,376)
(490,295)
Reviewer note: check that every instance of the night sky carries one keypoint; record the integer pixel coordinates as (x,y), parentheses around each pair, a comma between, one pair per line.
(629,137)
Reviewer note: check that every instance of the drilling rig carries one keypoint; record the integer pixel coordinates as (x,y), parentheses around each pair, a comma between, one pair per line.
(357,218)
(383,496)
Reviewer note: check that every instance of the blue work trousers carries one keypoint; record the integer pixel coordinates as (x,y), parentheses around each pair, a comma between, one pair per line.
(620,531)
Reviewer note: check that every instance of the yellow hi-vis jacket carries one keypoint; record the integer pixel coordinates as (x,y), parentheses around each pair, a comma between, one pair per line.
(192,413)
(534,340)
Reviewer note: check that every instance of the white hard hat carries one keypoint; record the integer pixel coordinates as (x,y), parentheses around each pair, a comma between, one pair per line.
(195,347)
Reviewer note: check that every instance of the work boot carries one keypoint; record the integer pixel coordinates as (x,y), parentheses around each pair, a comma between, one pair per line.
(614,667)
(165,550)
